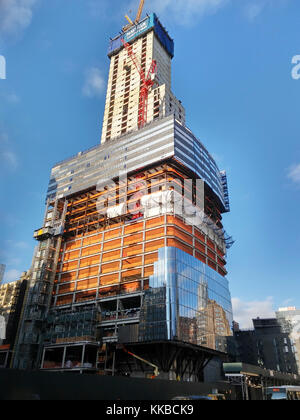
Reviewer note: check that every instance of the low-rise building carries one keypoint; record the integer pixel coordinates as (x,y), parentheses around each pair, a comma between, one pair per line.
(289,319)
(267,346)
(11,305)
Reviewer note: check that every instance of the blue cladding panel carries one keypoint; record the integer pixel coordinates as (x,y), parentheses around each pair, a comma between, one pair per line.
(164,38)
(144,26)
(114,45)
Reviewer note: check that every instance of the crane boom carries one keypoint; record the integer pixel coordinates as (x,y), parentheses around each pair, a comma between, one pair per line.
(129,20)
(156,370)
(137,19)
(140,11)
(134,60)
(152,70)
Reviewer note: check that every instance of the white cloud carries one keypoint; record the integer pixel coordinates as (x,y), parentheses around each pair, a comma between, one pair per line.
(184,12)
(7,156)
(11,250)
(287,302)
(22,245)
(12,98)
(94,83)
(15,15)
(17,244)
(253,8)
(294,173)
(11,275)
(188,12)
(244,312)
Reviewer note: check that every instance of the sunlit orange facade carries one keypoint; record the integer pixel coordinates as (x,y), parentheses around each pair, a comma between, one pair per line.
(107,256)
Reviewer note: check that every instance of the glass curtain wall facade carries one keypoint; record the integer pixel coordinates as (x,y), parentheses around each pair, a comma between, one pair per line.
(186,301)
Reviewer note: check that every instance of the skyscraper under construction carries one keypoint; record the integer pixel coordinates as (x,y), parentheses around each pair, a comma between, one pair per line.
(129,273)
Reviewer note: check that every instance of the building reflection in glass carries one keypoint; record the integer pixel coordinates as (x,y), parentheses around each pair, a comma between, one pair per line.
(186,301)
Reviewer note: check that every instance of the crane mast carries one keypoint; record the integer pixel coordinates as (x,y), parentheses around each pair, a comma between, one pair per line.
(146,83)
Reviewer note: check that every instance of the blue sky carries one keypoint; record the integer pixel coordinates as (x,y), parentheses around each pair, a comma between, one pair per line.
(233,72)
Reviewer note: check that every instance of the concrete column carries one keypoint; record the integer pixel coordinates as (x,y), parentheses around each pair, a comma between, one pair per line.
(64,357)
(83,354)
(43,358)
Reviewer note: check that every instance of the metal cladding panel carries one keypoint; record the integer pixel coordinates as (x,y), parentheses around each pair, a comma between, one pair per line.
(225,189)
(191,152)
(114,158)
(158,141)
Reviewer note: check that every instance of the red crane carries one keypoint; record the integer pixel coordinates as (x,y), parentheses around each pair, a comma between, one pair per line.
(146,83)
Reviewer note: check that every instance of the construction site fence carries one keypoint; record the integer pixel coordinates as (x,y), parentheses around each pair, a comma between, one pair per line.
(22,385)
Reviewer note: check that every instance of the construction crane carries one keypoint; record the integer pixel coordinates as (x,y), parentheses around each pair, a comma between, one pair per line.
(146,83)
(137,19)
(140,11)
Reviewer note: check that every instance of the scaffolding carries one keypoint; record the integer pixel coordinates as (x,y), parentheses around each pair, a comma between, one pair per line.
(38,298)
(97,252)
(224,183)
(113,253)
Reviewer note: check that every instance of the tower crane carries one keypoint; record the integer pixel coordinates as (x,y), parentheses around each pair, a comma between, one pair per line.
(140,11)
(138,17)
(147,81)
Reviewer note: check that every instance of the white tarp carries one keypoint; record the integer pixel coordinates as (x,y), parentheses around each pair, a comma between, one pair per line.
(150,212)
(116,211)
(169,201)
(151,200)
